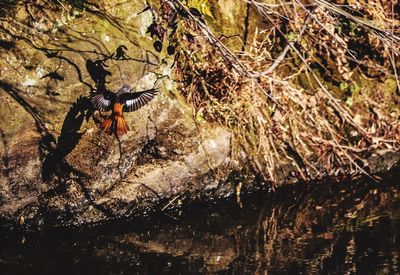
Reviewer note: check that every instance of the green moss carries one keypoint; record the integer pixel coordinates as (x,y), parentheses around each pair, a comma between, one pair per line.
(390,86)
(13,118)
(344,86)
(355,89)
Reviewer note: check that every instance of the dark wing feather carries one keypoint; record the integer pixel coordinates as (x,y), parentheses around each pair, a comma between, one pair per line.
(135,101)
(104,101)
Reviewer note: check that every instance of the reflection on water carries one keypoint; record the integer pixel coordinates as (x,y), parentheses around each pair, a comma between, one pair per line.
(321,229)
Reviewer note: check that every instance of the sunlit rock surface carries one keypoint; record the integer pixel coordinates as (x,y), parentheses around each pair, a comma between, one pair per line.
(58,167)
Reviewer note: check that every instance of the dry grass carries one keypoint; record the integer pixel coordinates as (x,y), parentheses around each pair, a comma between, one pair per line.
(325,105)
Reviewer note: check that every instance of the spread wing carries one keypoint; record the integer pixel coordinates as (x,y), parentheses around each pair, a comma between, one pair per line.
(135,101)
(104,101)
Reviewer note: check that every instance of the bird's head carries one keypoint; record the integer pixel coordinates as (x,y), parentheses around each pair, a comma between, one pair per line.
(125,88)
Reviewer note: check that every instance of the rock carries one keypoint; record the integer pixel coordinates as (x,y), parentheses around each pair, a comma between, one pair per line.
(58,167)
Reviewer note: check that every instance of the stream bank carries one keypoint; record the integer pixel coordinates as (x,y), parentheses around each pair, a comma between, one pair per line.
(60,170)
(314,228)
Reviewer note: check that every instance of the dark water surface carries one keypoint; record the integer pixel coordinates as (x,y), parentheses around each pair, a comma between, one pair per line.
(319,229)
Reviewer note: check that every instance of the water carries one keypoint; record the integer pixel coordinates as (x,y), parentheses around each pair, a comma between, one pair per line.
(315,229)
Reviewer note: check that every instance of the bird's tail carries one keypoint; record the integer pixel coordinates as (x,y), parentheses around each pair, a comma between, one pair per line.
(121,126)
(115,124)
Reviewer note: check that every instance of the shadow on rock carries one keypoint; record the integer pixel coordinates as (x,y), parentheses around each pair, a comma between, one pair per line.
(54,164)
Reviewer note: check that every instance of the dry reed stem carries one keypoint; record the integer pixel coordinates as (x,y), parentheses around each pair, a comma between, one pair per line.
(316,134)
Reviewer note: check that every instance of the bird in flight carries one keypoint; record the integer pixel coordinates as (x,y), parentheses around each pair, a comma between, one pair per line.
(119,102)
